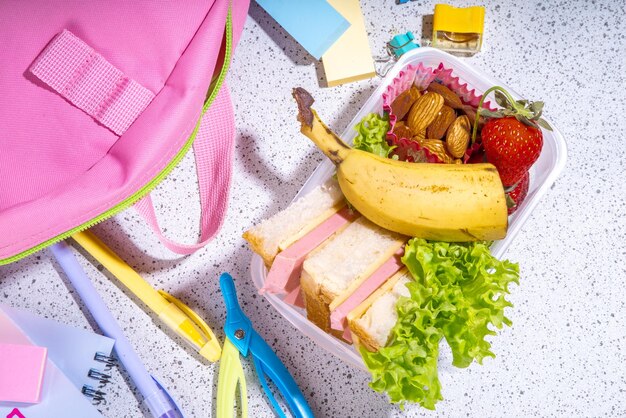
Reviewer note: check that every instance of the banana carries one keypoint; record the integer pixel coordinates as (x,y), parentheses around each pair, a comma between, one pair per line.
(444,202)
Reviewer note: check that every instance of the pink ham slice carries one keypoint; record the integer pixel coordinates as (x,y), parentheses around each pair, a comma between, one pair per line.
(295,298)
(389,268)
(284,275)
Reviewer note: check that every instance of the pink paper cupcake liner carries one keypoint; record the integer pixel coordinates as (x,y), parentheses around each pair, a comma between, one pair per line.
(469,97)
(407,149)
(471,150)
(411,74)
(411,151)
(421,77)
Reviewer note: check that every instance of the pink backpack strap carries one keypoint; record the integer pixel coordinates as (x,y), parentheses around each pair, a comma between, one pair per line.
(85,78)
(90,82)
(213,149)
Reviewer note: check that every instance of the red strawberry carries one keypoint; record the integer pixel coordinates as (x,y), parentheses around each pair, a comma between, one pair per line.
(476,154)
(511,136)
(512,147)
(516,196)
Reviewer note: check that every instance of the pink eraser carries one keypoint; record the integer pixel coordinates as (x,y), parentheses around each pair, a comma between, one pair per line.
(21,372)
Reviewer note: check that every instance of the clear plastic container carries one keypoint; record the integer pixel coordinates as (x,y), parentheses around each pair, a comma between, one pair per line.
(543,174)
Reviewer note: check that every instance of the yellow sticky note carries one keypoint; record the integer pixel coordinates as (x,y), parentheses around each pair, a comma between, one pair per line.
(349,58)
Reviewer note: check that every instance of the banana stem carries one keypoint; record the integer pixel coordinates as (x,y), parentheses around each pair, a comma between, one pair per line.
(316,130)
(325,139)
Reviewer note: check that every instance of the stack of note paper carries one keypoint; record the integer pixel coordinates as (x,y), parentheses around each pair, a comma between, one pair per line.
(350,58)
(332,30)
(44,365)
(21,372)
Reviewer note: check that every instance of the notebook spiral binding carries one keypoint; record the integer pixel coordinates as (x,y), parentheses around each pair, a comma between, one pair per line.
(109,361)
(102,377)
(96,395)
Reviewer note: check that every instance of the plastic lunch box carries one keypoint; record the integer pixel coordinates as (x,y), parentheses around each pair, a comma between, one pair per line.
(543,174)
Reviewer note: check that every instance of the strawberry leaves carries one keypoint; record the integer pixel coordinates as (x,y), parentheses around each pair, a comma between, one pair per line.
(501,99)
(544,124)
(526,112)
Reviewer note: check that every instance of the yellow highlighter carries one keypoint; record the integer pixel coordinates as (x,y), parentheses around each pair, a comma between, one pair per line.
(176,315)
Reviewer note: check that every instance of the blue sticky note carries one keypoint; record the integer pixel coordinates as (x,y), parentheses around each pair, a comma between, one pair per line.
(315,24)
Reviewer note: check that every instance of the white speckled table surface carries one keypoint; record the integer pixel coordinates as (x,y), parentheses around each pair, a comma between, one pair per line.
(565,354)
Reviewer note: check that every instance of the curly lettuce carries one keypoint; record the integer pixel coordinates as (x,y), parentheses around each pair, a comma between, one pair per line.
(406,368)
(458,293)
(372,135)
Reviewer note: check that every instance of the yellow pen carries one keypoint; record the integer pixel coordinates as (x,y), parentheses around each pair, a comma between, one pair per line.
(175,314)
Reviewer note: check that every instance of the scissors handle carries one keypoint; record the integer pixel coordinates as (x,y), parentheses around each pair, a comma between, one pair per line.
(268,364)
(240,333)
(237,326)
(229,293)
(230,376)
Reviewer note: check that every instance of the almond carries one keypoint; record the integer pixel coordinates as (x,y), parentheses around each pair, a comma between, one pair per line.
(419,137)
(442,122)
(401,130)
(458,136)
(402,104)
(437,147)
(451,99)
(465,122)
(424,111)
(470,111)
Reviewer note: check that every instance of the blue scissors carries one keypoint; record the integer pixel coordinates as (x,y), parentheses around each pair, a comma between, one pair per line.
(241,338)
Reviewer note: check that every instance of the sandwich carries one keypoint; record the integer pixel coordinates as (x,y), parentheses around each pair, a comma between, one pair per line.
(372,321)
(278,232)
(332,272)
(286,238)
(320,252)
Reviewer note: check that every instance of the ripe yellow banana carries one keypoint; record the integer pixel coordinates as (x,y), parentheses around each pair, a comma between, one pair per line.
(444,202)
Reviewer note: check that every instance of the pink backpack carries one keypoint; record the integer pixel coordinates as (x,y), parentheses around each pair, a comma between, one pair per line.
(99,101)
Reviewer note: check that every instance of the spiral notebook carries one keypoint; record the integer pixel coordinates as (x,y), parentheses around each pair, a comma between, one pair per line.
(77,359)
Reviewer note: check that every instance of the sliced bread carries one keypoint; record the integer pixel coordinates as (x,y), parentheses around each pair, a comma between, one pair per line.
(372,321)
(336,268)
(287,226)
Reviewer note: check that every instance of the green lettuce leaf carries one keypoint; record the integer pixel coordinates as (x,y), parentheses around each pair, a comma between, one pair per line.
(467,287)
(458,292)
(372,135)
(406,369)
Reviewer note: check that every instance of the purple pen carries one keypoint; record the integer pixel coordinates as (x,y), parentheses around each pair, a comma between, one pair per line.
(157,400)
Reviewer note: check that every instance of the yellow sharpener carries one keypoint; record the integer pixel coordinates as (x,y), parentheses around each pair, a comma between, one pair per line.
(177,316)
(458,29)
